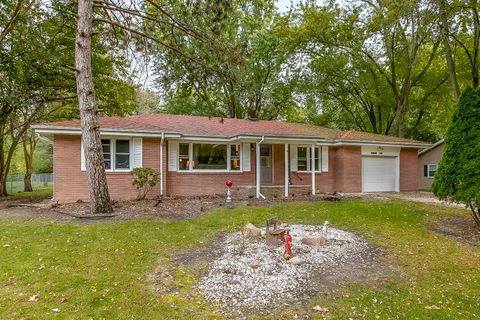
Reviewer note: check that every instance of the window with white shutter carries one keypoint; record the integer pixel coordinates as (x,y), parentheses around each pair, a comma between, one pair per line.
(172,155)
(246,157)
(324,159)
(137,153)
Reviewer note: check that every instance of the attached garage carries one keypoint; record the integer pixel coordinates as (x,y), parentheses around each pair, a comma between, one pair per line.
(380,169)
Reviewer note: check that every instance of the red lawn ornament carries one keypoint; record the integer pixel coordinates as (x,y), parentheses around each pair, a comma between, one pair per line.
(288,245)
(229,194)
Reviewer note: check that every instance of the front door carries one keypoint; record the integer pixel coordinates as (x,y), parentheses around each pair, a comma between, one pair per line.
(266,168)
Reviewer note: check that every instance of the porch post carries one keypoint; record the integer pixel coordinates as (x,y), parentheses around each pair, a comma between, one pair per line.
(286,170)
(257,169)
(161,164)
(312,166)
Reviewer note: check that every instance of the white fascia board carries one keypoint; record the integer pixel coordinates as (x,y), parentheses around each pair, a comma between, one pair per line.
(252,139)
(380,143)
(206,138)
(433,146)
(280,138)
(48,130)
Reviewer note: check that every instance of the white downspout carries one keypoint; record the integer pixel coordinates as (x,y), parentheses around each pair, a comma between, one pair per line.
(286,170)
(161,164)
(257,168)
(312,166)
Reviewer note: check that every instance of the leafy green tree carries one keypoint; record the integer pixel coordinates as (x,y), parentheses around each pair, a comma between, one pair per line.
(371,65)
(460,32)
(232,67)
(38,78)
(458,174)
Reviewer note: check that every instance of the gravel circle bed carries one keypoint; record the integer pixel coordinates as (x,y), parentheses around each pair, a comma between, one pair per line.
(252,275)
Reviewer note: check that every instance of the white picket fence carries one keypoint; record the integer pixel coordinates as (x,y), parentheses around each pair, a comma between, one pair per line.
(39,180)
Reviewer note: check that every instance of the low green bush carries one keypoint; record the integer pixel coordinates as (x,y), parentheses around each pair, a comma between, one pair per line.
(144,179)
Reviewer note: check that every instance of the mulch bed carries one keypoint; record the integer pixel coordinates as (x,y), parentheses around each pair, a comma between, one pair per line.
(174,208)
(463,228)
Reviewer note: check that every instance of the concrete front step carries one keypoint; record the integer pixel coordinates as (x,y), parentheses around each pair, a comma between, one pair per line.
(275,191)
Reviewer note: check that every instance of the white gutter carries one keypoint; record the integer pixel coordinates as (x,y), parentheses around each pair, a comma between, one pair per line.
(161,164)
(287,164)
(433,146)
(257,168)
(312,167)
(49,130)
(44,139)
(378,143)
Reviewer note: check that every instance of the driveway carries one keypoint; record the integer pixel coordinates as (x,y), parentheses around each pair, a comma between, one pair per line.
(422,197)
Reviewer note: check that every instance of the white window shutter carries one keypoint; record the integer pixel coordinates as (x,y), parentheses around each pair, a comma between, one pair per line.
(83,166)
(246,156)
(324,159)
(137,152)
(293,158)
(172,155)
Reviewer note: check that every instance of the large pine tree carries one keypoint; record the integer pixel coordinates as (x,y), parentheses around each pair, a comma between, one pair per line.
(458,175)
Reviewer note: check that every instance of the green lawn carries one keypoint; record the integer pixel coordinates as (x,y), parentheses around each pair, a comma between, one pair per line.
(101,271)
(43,192)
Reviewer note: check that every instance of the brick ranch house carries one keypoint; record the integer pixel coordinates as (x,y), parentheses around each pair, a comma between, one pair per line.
(196,155)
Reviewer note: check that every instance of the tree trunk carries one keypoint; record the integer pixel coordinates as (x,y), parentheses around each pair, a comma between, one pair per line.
(476,40)
(3,186)
(27,182)
(3,178)
(92,146)
(29,143)
(401,120)
(448,51)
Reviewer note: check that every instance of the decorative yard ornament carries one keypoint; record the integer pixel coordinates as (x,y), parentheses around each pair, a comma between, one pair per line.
(229,184)
(325,228)
(273,235)
(288,245)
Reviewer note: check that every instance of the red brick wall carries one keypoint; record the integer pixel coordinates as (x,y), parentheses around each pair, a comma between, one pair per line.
(324,181)
(408,169)
(348,169)
(278,164)
(70,183)
(344,173)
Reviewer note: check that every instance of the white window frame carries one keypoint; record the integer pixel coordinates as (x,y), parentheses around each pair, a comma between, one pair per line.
(190,157)
(113,145)
(309,158)
(428,169)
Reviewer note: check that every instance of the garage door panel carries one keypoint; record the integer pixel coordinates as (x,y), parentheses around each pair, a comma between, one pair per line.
(379,174)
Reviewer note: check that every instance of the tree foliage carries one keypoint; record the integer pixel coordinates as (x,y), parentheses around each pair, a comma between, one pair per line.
(458,174)
(38,77)
(372,65)
(460,21)
(233,68)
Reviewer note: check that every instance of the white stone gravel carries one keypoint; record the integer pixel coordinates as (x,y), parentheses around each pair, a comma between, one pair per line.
(231,281)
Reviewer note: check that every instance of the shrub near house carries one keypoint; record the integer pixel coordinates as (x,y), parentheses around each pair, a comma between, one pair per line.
(458,176)
(144,179)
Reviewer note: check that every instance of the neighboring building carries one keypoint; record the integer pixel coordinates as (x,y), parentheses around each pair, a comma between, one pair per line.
(196,155)
(428,161)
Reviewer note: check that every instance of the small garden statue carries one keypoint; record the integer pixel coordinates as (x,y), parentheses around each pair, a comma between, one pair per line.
(325,228)
(288,245)
(229,194)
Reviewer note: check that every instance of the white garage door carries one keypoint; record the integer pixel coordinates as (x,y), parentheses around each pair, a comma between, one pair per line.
(379,174)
